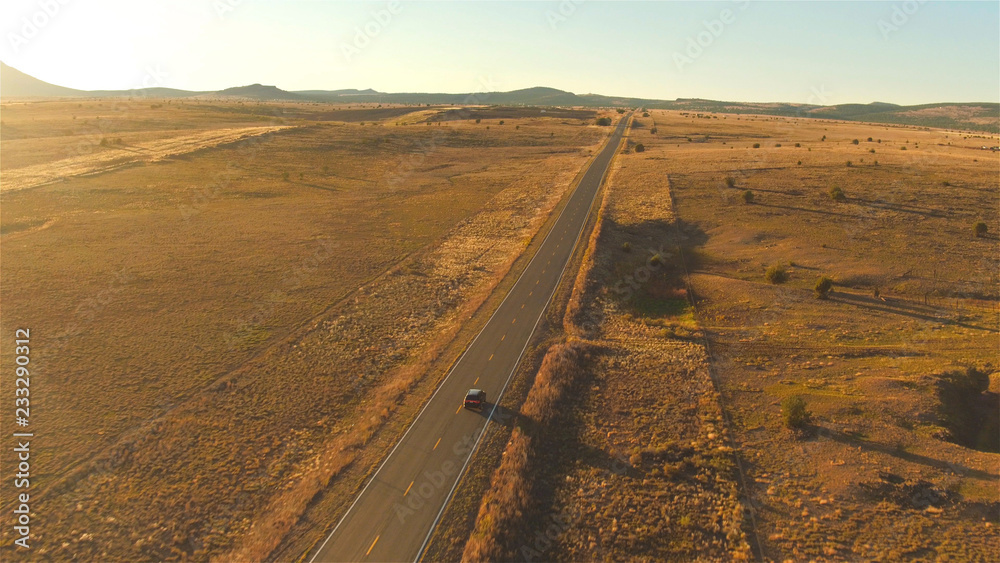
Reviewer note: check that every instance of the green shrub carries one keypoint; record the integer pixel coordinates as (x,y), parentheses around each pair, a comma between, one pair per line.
(730,182)
(854,142)
(756,145)
(794,412)
(837,194)
(797,145)
(604,121)
(627,246)
(823,287)
(776,274)
(980,229)
(748,197)
(639,147)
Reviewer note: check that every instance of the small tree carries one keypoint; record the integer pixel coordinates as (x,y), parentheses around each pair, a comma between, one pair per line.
(854,142)
(837,194)
(730,182)
(980,229)
(748,197)
(794,412)
(756,145)
(823,287)
(645,114)
(776,274)
(604,121)
(639,147)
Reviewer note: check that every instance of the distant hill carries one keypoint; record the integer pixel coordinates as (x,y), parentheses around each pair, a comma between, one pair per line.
(976,116)
(257,92)
(16,84)
(980,116)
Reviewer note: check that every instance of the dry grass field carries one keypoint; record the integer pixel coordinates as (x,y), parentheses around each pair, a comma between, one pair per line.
(890,465)
(673,440)
(219,331)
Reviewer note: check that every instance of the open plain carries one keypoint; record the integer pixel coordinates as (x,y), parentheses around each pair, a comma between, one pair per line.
(238,307)
(673,441)
(219,330)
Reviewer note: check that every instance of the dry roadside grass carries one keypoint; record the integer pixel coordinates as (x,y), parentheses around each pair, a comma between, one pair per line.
(218,347)
(887,468)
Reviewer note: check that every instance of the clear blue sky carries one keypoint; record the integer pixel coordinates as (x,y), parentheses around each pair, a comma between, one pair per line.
(819,52)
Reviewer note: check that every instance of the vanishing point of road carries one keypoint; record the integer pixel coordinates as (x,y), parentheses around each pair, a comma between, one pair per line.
(393,517)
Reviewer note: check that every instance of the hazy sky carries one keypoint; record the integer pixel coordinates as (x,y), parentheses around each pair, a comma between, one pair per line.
(819,52)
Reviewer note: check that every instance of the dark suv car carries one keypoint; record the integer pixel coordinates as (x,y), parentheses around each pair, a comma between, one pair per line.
(475,399)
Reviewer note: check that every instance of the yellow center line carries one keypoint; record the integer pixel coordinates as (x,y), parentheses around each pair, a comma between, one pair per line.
(536,281)
(434,448)
(491,357)
(411,483)
(522,305)
(513,321)
(502,337)
(530,292)
(459,409)
(476,381)
(372,546)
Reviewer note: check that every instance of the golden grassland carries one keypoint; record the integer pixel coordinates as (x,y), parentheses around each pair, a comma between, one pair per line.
(672,443)
(219,334)
(874,475)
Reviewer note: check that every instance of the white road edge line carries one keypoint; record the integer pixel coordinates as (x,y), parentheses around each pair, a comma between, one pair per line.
(541,314)
(440,385)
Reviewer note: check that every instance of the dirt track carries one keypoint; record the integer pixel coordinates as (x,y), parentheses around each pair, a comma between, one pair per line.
(124,155)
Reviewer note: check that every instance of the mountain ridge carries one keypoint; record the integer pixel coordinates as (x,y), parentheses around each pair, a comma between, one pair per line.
(983,116)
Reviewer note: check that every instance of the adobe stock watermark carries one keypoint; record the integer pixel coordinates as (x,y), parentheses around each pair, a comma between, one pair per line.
(253,325)
(426,148)
(365,34)
(899,17)
(556,524)
(561,14)
(625,286)
(432,481)
(224,7)
(31,25)
(704,39)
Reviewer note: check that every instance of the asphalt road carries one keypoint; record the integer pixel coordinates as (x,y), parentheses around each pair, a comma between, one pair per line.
(396,512)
